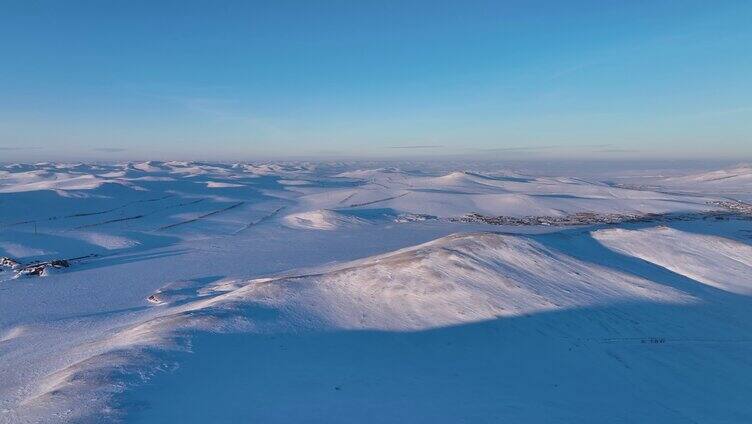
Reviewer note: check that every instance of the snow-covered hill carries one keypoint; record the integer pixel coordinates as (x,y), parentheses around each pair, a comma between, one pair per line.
(395,193)
(621,321)
(740,174)
(734,182)
(385,316)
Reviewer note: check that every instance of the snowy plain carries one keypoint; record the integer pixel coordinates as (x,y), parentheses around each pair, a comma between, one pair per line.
(347,292)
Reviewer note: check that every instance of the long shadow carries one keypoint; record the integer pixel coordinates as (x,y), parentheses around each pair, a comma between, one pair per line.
(120,259)
(734,308)
(185,293)
(581,245)
(735,228)
(625,363)
(49,246)
(107,313)
(35,205)
(618,363)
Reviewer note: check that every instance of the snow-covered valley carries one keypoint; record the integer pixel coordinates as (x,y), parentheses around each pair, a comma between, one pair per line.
(338,292)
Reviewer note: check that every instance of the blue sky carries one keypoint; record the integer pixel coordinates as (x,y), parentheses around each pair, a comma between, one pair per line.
(499,79)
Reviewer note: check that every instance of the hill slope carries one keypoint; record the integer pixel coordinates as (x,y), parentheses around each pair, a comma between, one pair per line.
(494,326)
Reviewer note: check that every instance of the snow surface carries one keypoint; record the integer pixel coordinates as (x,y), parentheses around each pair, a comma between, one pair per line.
(733,182)
(688,254)
(337,292)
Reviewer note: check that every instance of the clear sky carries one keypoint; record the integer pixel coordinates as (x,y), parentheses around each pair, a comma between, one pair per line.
(326,79)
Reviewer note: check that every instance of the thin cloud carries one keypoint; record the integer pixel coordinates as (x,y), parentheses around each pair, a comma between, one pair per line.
(533,149)
(519,149)
(418,146)
(109,149)
(619,151)
(14,148)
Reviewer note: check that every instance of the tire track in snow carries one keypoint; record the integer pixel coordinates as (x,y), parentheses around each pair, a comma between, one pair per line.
(260,220)
(200,217)
(130,218)
(355,205)
(84,214)
(347,198)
